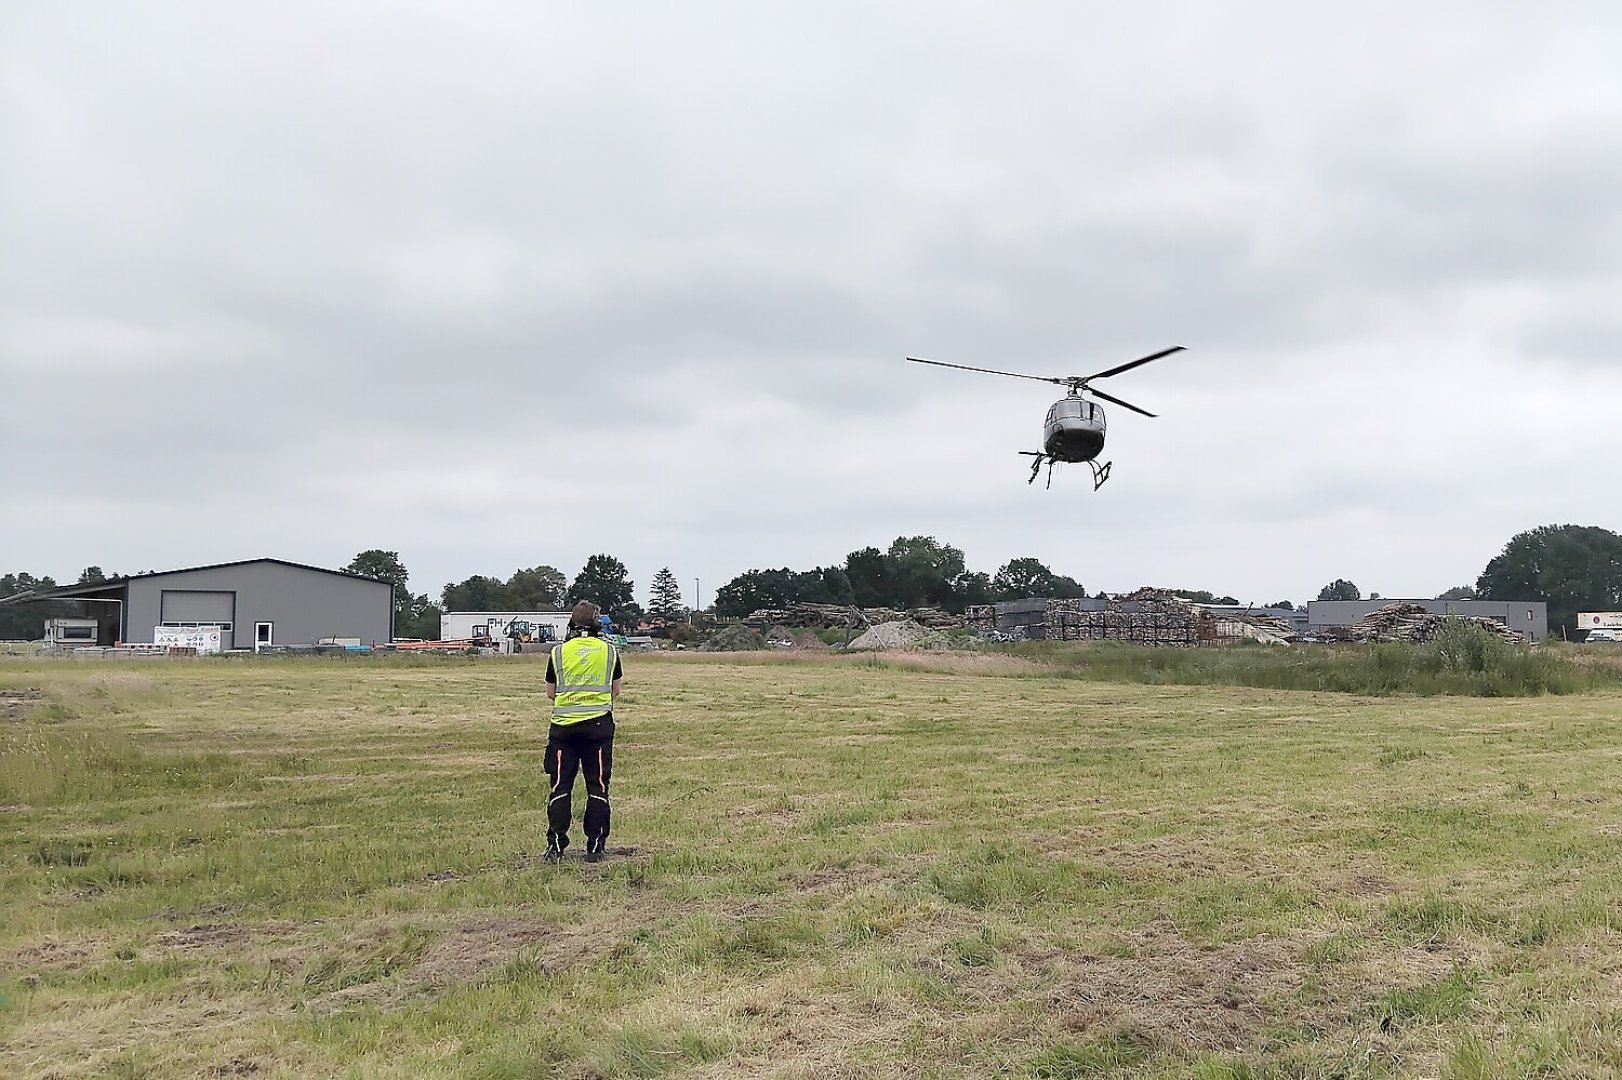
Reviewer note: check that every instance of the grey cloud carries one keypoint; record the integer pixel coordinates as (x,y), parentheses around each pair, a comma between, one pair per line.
(352,247)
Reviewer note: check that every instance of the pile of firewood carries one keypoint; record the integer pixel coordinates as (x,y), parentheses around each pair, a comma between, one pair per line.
(815,616)
(934,619)
(1410,623)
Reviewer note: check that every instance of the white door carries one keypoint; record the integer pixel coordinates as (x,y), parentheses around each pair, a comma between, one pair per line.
(264,635)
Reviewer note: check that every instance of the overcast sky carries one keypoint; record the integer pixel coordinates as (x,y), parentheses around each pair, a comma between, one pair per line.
(498,285)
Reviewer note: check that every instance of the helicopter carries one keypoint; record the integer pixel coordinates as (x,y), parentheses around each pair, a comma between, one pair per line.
(1074,431)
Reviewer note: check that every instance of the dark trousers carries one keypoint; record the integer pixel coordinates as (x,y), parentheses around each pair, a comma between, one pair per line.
(586,747)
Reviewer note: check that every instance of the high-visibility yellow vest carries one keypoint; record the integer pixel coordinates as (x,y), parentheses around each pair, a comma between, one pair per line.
(584,667)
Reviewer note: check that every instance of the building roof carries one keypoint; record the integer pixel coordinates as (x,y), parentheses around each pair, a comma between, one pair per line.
(67,592)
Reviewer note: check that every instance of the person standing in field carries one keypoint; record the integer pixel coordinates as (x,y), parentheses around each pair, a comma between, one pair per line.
(582,680)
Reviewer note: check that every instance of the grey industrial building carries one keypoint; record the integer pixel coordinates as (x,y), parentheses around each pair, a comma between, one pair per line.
(1529,617)
(257,603)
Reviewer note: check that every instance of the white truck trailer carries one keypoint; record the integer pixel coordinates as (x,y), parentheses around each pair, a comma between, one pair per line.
(501,627)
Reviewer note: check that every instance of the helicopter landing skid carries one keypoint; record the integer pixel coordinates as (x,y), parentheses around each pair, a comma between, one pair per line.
(1100,472)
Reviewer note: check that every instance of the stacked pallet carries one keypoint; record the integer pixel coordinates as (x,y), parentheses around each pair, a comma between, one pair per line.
(1146,617)
(981,618)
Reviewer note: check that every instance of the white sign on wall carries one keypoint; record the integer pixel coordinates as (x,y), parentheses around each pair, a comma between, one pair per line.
(205,639)
(1600,620)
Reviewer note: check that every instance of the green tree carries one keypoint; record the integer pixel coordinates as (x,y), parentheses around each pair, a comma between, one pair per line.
(1340,589)
(1572,568)
(417,617)
(26,621)
(836,585)
(922,571)
(603,581)
(971,587)
(1459,592)
(868,574)
(1020,579)
(540,588)
(379,564)
(92,575)
(664,602)
(755,589)
(477,593)
(410,618)
(1284,605)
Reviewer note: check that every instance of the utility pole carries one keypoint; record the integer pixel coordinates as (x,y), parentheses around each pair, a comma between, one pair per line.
(696,595)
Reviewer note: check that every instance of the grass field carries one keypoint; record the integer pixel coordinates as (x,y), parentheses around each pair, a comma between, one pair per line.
(947,866)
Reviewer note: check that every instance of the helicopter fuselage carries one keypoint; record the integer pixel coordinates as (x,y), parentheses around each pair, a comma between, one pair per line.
(1074,430)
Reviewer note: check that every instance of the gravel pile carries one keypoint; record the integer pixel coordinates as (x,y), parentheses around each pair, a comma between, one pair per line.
(807,639)
(902,634)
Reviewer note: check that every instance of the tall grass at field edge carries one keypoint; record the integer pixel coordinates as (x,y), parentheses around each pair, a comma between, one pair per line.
(1464,660)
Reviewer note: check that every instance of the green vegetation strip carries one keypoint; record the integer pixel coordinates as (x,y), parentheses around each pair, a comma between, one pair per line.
(957,865)
(1463,660)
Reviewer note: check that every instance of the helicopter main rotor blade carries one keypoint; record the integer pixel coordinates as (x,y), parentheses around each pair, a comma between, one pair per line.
(1118,401)
(988,371)
(1135,363)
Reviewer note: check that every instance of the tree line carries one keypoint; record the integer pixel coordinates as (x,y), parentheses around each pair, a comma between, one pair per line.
(915,571)
(1572,568)
(603,580)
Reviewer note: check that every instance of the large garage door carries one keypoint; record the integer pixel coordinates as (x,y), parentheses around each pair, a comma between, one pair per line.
(207,608)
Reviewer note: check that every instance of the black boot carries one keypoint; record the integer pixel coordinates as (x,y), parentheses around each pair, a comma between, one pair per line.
(555,843)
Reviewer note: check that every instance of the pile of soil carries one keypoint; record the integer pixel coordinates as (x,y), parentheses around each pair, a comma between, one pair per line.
(737,638)
(808,639)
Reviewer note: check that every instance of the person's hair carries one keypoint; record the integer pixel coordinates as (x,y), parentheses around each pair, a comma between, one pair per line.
(584,617)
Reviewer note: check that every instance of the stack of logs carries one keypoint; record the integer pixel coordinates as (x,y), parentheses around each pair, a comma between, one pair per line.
(840,616)
(1145,617)
(1408,622)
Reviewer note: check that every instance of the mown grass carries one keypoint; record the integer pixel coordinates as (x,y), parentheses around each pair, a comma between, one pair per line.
(943,866)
